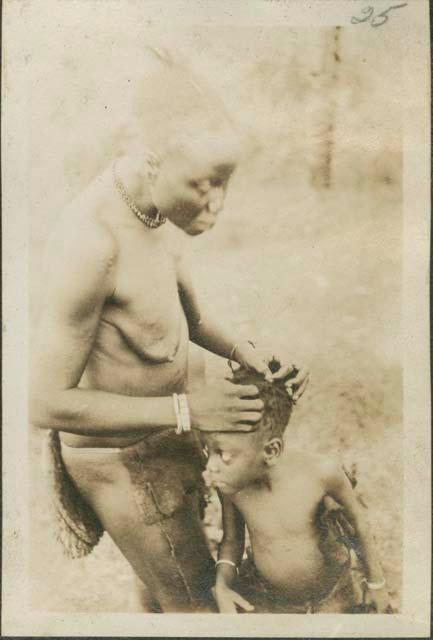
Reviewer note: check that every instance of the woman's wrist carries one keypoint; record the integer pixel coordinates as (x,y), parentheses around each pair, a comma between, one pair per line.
(182,413)
(240,349)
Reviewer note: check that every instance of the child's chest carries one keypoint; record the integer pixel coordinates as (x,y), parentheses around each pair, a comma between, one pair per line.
(292,508)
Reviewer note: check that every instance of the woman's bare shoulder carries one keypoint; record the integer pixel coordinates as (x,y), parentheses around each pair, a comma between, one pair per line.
(77,236)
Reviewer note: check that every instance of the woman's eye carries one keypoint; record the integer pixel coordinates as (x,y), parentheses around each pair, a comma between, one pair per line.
(202,186)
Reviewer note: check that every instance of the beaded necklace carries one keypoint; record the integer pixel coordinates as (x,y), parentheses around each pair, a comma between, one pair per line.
(153,221)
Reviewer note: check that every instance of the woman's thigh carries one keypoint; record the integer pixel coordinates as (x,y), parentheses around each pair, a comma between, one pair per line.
(168,553)
(171,556)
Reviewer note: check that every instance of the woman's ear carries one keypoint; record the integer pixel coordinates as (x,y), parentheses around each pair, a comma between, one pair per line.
(272,450)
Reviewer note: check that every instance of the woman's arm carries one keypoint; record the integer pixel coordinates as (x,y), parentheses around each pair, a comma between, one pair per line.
(79,281)
(208,333)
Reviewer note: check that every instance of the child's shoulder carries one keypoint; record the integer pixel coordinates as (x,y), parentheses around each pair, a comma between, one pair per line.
(317,464)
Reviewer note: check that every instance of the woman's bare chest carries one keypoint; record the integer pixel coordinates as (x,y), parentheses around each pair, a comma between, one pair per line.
(145,307)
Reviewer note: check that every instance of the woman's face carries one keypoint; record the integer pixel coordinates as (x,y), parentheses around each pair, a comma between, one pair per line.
(192,183)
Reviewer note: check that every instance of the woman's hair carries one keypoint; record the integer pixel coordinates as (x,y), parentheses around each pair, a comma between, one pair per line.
(174,100)
(278,403)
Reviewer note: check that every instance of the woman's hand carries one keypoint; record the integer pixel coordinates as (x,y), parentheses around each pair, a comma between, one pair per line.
(225,406)
(227,600)
(258,358)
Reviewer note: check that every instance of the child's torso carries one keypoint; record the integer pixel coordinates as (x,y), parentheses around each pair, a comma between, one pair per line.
(285,540)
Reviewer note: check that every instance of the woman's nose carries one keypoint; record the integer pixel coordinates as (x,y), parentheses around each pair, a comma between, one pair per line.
(216,199)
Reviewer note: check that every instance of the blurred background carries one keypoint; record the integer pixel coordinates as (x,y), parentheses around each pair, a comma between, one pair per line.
(307,255)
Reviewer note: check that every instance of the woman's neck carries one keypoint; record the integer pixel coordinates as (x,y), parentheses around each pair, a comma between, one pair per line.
(135,182)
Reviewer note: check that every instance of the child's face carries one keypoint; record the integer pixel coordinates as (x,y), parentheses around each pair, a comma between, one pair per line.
(192,184)
(234,460)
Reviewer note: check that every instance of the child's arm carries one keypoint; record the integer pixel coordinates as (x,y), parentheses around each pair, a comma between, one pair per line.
(230,555)
(338,487)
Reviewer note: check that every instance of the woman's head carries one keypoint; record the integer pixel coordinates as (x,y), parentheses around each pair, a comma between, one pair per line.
(186,125)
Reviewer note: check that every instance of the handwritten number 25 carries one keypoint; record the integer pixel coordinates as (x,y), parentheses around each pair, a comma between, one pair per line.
(376,20)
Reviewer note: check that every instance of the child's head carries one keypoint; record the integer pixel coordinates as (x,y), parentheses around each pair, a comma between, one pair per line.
(236,460)
(186,125)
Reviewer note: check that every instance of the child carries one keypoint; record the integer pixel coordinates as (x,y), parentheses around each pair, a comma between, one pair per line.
(297,507)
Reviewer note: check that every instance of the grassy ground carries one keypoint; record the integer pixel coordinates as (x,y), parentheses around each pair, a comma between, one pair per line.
(320,278)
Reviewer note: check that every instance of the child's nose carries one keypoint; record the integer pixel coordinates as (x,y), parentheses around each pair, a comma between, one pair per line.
(212,464)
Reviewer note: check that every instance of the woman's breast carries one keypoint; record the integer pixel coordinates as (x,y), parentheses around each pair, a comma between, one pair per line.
(120,363)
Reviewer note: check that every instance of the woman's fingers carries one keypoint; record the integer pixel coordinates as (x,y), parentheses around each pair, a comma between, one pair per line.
(244,404)
(299,392)
(301,375)
(245,390)
(243,427)
(250,417)
(284,371)
(261,366)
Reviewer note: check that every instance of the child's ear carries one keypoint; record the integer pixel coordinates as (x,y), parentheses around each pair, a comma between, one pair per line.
(272,450)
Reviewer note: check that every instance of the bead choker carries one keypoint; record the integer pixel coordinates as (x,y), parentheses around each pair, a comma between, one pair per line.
(151,221)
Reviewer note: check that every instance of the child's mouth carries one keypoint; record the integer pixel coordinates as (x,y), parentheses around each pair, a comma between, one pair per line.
(220,484)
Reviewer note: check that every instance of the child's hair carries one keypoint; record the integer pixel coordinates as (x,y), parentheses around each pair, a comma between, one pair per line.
(278,404)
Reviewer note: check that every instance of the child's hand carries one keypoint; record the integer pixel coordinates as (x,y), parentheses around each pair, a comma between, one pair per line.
(379,599)
(227,600)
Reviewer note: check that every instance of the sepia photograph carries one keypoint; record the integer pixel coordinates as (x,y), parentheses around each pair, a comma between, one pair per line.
(217,410)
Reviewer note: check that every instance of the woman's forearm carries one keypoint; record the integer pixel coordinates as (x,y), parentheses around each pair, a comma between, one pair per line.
(214,337)
(100,413)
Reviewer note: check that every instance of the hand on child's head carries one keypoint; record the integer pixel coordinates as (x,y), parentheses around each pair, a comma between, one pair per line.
(277,402)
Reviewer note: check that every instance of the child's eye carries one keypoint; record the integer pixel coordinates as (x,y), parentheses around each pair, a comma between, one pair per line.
(226,456)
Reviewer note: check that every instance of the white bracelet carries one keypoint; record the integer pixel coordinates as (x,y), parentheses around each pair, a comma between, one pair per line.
(374,586)
(181,410)
(177,412)
(229,562)
(232,352)
(184,412)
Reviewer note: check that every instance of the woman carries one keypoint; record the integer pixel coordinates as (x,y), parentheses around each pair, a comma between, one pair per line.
(110,368)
